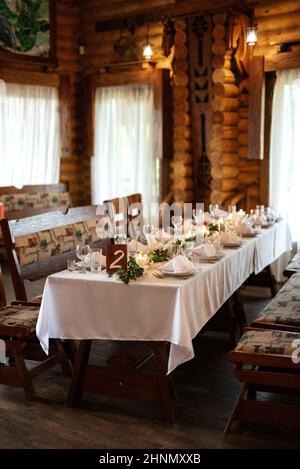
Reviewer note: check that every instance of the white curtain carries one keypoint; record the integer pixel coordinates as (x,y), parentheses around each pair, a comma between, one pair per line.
(29,135)
(124,163)
(285,149)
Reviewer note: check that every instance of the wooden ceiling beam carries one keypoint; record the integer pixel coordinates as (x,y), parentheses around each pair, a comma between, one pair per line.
(177,10)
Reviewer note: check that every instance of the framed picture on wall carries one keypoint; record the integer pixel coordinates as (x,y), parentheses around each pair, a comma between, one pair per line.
(27,31)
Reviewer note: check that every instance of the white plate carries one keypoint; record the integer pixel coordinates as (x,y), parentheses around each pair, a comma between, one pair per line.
(185,273)
(249,235)
(210,258)
(232,245)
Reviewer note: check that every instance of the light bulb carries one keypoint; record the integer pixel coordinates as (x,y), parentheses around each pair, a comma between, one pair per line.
(251,35)
(147,51)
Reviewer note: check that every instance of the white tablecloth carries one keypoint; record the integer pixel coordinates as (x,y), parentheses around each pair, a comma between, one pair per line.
(94,306)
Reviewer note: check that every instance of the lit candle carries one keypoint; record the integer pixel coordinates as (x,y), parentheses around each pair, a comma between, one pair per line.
(142,259)
(1,210)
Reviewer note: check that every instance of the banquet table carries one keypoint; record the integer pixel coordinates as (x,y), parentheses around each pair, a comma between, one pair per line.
(94,306)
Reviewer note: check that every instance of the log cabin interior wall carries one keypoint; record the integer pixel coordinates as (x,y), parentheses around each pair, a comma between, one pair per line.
(210,98)
(68,67)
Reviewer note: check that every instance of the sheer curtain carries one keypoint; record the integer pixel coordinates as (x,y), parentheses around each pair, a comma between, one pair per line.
(29,135)
(285,149)
(124,163)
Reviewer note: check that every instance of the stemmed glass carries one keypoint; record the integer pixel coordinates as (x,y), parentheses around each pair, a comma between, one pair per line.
(82,251)
(177,221)
(212,208)
(198,216)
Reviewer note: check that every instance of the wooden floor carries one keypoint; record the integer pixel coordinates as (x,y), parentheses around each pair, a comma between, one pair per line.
(206,389)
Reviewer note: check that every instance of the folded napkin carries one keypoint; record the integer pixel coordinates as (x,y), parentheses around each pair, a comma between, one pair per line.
(135,245)
(205,250)
(218,213)
(245,226)
(180,263)
(162,235)
(229,237)
(152,243)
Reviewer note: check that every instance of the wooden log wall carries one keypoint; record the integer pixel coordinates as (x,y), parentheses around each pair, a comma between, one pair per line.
(99,50)
(182,164)
(67,25)
(278,23)
(225,106)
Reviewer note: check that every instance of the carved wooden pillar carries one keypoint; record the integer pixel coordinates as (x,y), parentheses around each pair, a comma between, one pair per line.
(200,55)
(225,106)
(182,170)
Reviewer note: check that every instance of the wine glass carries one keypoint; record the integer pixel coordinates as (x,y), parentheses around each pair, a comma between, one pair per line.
(82,251)
(198,216)
(212,208)
(177,221)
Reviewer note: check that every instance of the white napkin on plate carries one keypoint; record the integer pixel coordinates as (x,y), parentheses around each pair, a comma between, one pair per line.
(218,213)
(229,237)
(205,250)
(180,263)
(245,226)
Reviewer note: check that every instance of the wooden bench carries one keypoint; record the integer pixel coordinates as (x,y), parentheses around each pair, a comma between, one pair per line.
(17,332)
(33,200)
(41,245)
(293,266)
(264,362)
(283,312)
(267,347)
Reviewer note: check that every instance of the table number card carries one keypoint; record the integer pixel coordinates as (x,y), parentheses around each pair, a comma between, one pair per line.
(116,258)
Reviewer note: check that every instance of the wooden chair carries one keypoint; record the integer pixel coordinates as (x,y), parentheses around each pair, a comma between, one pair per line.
(117,212)
(17,333)
(41,245)
(135,215)
(264,362)
(283,312)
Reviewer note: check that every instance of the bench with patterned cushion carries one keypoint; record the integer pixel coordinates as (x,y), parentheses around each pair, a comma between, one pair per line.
(41,245)
(48,243)
(257,346)
(34,200)
(18,321)
(284,310)
(293,266)
(267,361)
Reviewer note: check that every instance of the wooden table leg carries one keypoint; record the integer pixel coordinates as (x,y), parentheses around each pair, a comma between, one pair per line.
(166,385)
(79,369)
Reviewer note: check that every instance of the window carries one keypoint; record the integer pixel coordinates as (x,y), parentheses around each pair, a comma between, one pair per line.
(29,135)
(124,161)
(285,148)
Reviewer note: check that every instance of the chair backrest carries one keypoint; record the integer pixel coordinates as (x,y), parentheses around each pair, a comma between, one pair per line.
(2,291)
(117,212)
(125,213)
(135,214)
(41,245)
(34,199)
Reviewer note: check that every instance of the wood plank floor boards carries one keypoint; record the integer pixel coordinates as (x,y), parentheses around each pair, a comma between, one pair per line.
(206,387)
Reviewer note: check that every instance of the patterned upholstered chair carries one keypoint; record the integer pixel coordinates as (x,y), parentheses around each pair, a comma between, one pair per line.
(267,361)
(41,245)
(283,312)
(18,342)
(293,266)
